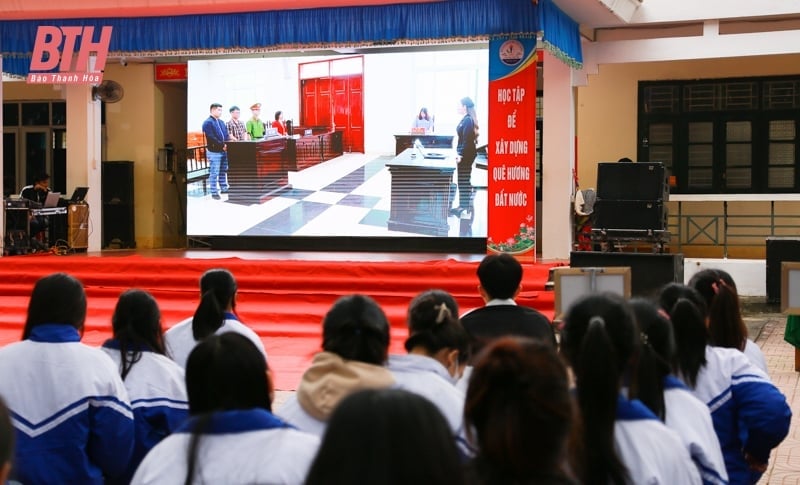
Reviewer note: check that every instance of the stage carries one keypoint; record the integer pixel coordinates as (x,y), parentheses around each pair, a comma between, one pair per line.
(283,296)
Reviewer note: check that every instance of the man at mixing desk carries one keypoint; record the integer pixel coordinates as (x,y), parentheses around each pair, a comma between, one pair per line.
(37,193)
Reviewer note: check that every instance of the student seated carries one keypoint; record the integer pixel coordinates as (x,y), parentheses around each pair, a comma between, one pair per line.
(355,344)
(231,436)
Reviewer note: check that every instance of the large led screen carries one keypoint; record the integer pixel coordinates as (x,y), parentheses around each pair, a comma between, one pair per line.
(336,145)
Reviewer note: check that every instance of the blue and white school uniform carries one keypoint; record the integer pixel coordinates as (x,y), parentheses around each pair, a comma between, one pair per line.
(69,407)
(428,378)
(749,413)
(180,341)
(756,356)
(651,452)
(691,419)
(237,447)
(157,390)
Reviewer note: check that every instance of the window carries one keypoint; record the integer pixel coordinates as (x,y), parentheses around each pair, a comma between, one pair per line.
(723,135)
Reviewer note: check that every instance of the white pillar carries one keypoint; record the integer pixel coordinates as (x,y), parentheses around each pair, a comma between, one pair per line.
(83,153)
(558,158)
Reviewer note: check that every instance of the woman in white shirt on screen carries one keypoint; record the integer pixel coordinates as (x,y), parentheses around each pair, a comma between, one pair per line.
(423,121)
(215,314)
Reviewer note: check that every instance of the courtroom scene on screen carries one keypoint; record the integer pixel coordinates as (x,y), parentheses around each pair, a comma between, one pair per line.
(368,145)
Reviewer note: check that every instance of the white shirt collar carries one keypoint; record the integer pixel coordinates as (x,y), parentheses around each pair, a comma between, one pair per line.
(497,301)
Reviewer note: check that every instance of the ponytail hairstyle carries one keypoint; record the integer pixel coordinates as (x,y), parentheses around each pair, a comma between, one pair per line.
(656,356)
(433,324)
(218,293)
(355,328)
(726,327)
(223,373)
(136,323)
(599,340)
(519,411)
(686,308)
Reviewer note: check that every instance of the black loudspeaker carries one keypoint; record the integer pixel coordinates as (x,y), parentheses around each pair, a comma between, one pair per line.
(649,271)
(779,249)
(630,214)
(117,195)
(632,181)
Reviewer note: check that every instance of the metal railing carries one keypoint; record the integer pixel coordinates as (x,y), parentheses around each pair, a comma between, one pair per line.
(729,222)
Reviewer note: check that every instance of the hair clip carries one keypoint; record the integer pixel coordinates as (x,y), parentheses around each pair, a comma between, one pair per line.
(597,321)
(444,312)
(645,338)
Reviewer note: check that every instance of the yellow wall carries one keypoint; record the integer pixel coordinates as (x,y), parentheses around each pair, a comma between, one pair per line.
(135,129)
(607,107)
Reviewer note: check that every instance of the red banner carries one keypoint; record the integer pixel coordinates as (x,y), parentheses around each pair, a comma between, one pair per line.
(512,147)
(171,72)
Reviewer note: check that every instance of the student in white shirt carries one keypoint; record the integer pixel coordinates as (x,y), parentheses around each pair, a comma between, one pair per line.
(155,384)
(231,437)
(437,348)
(355,344)
(215,314)
(624,442)
(749,413)
(726,327)
(669,398)
(69,406)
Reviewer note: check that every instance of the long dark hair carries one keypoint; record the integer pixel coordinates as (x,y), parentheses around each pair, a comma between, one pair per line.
(599,340)
(218,291)
(656,356)
(433,324)
(686,309)
(137,326)
(57,298)
(519,411)
(355,328)
(224,372)
(386,436)
(423,114)
(726,327)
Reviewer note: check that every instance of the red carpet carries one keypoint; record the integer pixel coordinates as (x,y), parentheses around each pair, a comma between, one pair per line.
(282,300)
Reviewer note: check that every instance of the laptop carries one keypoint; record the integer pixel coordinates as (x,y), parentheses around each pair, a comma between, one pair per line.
(78,195)
(429,155)
(52,200)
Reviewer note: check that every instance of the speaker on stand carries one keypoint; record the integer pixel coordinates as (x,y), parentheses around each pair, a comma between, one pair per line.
(631,204)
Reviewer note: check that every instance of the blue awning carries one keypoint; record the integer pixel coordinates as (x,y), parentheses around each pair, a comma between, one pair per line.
(240,33)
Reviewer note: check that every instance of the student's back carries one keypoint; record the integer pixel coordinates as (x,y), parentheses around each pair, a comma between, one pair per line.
(624,441)
(155,383)
(71,410)
(750,414)
(215,315)
(232,437)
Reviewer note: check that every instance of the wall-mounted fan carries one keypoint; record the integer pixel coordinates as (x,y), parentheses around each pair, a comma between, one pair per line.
(108,92)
